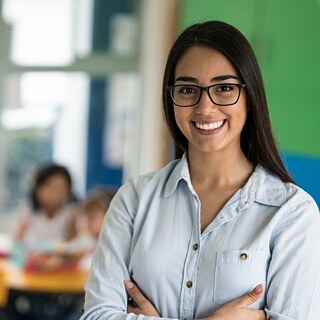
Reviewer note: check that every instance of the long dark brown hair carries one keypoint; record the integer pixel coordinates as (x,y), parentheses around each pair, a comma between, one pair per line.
(257,140)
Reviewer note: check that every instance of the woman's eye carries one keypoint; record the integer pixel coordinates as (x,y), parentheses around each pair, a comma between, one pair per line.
(186,90)
(225,88)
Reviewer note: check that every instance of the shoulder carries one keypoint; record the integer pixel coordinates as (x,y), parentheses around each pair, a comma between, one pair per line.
(140,190)
(297,193)
(300,205)
(271,190)
(152,180)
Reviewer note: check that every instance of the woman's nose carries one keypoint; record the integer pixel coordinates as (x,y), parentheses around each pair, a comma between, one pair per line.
(205,105)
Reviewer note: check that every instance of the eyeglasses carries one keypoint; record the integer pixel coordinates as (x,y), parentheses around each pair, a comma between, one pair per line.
(223,94)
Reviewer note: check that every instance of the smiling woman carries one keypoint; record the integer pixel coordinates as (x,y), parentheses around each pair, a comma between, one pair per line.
(223,108)
(222,231)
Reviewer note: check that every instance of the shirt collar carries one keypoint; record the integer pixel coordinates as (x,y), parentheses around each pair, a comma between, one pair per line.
(180,172)
(262,187)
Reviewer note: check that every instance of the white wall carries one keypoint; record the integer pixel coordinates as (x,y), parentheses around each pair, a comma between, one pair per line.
(159,21)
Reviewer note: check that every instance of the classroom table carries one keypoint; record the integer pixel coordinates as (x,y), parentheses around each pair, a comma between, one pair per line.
(33,295)
(12,277)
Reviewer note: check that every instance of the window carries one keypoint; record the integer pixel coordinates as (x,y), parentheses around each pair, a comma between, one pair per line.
(57,52)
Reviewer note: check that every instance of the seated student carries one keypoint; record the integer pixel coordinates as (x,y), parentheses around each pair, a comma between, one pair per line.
(47,222)
(49,218)
(94,208)
(47,215)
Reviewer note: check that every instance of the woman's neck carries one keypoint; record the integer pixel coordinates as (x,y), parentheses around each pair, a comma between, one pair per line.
(219,168)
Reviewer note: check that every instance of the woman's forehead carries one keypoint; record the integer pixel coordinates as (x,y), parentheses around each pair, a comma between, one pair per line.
(205,63)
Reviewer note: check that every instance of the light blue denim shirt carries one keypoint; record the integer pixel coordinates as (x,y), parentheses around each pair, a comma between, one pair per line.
(268,232)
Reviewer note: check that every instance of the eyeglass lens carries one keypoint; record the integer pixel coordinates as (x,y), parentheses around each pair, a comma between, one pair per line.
(221,94)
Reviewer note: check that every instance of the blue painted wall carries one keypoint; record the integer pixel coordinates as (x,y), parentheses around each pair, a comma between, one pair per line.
(306,173)
(99,172)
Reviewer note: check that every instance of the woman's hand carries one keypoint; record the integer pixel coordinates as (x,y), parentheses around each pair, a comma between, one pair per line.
(234,310)
(140,304)
(237,309)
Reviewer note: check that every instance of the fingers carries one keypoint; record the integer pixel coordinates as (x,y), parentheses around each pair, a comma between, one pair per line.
(134,310)
(262,315)
(252,296)
(134,292)
(141,304)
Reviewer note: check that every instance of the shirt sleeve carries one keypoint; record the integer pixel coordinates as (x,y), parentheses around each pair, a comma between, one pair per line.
(105,295)
(293,278)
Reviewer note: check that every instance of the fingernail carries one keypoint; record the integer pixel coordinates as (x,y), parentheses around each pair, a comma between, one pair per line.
(258,288)
(128,284)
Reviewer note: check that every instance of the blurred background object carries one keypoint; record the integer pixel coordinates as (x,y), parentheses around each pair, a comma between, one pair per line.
(79,86)
(48,213)
(93,210)
(95,207)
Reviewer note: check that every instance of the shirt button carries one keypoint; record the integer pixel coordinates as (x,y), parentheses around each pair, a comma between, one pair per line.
(243,256)
(195,246)
(189,284)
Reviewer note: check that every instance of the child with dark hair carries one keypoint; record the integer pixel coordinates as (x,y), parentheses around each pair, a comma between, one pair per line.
(45,227)
(94,209)
(48,215)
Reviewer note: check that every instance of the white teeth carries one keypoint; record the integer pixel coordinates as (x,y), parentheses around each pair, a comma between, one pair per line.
(209,126)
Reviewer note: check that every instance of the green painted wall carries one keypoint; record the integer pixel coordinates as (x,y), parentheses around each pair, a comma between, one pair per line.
(285,34)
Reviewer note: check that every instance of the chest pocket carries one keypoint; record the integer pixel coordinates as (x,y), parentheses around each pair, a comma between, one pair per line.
(237,272)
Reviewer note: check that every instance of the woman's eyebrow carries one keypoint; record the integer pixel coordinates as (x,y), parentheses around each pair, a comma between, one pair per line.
(186,79)
(215,79)
(224,77)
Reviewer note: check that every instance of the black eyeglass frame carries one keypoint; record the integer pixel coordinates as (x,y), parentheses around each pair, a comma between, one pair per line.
(239,85)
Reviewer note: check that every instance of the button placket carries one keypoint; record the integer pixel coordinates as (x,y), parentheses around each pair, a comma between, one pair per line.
(191,263)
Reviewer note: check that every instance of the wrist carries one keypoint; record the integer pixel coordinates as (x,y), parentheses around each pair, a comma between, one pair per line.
(213,317)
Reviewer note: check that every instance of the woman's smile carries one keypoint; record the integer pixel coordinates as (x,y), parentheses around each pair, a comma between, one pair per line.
(209,127)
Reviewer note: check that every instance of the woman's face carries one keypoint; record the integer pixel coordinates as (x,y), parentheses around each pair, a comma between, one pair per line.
(209,127)
(53,192)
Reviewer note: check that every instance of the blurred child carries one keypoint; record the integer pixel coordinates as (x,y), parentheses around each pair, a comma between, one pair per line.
(47,215)
(48,219)
(45,226)
(94,209)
